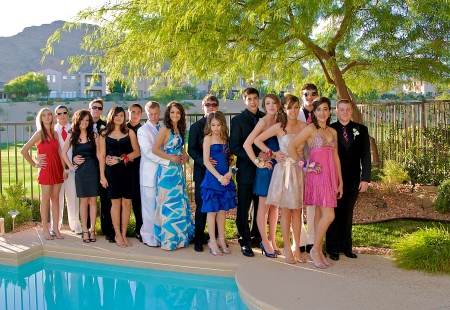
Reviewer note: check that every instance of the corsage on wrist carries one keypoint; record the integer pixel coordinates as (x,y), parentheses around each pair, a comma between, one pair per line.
(308,166)
(220,179)
(123,159)
(233,170)
(259,162)
(270,154)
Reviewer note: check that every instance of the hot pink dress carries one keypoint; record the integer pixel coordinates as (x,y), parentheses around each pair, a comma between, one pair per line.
(321,188)
(52,173)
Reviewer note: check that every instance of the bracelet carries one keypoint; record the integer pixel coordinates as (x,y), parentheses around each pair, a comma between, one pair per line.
(220,179)
(124,159)
(259,162)
(308,166)
(35,165)
(270,154)
(233,170)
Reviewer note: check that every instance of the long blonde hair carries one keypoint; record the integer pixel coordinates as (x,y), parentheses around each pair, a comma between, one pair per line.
(223,134)
(40,125)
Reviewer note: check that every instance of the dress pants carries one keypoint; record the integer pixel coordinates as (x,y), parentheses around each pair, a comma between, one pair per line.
(339,234)
(73,204)
(136,202)
(307,236)
(105,214)
(245,197)
(148,202)
(200,217)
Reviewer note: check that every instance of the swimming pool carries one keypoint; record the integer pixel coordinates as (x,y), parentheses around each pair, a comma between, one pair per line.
(53,283)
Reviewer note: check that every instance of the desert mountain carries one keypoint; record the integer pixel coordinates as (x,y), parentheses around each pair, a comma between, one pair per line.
(21,53)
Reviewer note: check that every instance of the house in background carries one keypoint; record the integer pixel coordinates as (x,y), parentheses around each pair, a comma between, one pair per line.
(3,96)
(74,85)
(420,87)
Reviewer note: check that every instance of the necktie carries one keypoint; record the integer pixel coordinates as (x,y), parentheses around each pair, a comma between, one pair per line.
(158,127)
(64,133)
(344,133)
(309,120)
(255,120)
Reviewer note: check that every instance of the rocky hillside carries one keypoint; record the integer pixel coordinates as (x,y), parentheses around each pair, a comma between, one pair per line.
(22,53)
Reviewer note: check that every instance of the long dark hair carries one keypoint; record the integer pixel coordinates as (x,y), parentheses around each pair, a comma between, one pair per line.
(287,102)
(76,131)
(110,121)
(181,122)
(316,104)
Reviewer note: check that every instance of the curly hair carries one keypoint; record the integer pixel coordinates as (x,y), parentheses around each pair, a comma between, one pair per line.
(181,123)
(78,116)
(316,104)
(288,102)
(224,132)
(110,121)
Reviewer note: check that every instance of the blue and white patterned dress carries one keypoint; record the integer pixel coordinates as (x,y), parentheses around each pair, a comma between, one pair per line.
(174,225)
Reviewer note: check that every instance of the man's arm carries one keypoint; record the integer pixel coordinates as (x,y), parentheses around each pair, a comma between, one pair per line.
(365,158)
(237,140)
(194,144)
(146,141)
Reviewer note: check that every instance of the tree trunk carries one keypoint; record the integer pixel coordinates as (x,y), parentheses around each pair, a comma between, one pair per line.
(342,90)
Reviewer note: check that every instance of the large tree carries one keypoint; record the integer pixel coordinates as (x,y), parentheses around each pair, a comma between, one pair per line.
(28,84)
(356,44)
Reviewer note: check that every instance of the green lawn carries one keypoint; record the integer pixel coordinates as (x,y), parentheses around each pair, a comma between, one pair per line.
(15,168)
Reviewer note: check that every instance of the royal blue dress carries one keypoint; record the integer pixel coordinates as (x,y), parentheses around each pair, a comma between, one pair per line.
(217,197)
(263,176)
(174,225)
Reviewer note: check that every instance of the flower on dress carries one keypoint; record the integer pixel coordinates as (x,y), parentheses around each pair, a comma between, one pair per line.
(355,131)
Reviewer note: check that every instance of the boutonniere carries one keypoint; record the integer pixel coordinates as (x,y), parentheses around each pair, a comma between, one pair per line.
(102,127)
(355,131)
(70,131)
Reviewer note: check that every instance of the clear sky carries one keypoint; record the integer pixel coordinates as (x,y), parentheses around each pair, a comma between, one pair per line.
(18,14)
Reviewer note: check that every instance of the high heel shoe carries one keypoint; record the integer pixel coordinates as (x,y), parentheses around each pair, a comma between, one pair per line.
(87,240)
(290,260)
(213,252)
(320,264)
(225,249)
(92,233)
(263,251)
(324,260)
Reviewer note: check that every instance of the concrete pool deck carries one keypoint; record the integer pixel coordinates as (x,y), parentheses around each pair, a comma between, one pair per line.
(369,282)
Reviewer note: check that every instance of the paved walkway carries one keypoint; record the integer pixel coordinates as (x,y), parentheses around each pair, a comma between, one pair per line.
(369,282)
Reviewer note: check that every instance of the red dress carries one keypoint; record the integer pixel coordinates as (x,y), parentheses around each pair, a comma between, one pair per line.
(52,173)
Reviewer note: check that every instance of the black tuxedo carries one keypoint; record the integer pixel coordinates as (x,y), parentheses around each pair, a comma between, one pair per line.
(355,167)
(195,151)
(241,127)
(136,200)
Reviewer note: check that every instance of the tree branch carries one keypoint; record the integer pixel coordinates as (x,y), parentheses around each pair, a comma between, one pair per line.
(324,69)
(346,21)
(354,64)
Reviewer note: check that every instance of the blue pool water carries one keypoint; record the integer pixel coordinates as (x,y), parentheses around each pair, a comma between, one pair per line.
(51,283)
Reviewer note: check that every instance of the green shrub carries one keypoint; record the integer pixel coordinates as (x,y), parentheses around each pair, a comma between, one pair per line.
(442,204)
(426,249)
(2,128)
(30,118)
(35,205)
(14,200)
(393,173)
(42,103)
(50,102)
(30,98)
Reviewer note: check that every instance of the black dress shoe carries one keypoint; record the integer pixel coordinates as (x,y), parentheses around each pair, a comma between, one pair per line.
(247,251)
(350,254)
(308,248)
(139,237)
(198,246)
(110,239)
(334,255)
(302,249)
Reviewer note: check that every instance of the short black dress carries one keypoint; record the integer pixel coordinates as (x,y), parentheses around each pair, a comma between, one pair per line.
(121,178)
(87,175)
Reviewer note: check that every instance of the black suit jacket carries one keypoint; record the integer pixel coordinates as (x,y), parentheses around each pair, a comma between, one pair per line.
(354,156)
(195,148)
(241,127)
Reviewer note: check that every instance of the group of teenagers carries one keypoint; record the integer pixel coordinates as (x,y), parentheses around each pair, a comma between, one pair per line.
(288,157)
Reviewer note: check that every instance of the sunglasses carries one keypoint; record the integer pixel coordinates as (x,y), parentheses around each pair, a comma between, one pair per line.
(94,107)
(61,113)
(211,105)
(311,94)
